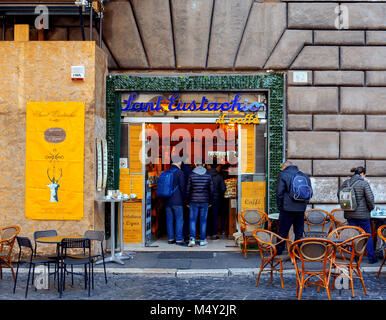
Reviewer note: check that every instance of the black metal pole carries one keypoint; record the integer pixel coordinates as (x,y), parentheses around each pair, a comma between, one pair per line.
(82,23)
(3,31)
(100,29)
(91,26)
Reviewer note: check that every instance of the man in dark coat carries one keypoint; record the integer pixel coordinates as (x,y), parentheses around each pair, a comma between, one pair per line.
(218,194)
(187,169)
(174,206)
(199,195)
(291,211)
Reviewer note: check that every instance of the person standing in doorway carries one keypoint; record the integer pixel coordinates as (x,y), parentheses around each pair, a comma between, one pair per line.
(218,194)
(174,206)
(291,211)
(187,169)
(199,195)
(364,197)
(224,205)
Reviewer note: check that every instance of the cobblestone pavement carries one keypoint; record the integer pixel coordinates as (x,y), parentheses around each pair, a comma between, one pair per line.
(130,287)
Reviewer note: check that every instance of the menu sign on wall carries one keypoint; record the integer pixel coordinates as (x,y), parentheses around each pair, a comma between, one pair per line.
(131,183)
(135,146)
(132,222)
(248,149)
(253,195)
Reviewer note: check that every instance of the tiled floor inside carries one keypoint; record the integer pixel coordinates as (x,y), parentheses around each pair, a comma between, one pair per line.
(162,245)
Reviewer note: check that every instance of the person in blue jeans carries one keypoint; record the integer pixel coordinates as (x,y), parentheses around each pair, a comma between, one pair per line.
(218,194)
(360,217)
(199,195)
(187,170)
(291,211)
(174,207)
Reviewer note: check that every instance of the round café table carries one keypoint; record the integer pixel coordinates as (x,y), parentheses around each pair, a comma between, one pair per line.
(56,239)
(121,255)
(275,217)
(374,217)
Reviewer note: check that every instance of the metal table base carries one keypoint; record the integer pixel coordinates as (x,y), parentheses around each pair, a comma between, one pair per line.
(116,257)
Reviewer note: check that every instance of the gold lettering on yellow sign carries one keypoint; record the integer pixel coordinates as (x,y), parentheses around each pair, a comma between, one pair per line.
(248,119)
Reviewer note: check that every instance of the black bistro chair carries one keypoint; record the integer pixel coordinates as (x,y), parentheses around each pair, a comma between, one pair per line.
(25,242)
(97,236)
(47,233)
(41,234)
(66,259)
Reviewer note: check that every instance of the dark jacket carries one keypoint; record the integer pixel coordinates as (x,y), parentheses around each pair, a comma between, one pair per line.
(283,199)
(218,184)
(177,199)
(187,170)
(200,187)
(363,196)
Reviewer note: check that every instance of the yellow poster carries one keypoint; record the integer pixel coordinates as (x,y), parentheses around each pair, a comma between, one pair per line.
(131,183)
(54,160)
(135,146)
(253,195)
(248,148)
(132,222)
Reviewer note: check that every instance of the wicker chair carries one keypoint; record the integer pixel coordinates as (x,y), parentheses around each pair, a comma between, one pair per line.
(345,232)
(250,220)
(307,252)
(317,223)
(267,241)
(382,234)
(7,242)
(338,219)
(349,256)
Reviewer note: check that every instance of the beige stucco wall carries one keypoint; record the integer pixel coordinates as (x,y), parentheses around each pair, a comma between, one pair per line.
(40,71)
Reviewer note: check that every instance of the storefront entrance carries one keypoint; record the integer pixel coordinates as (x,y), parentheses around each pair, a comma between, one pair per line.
(234,150)
(228,127)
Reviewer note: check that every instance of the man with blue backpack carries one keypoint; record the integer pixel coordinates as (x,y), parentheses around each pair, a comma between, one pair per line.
(171,187)
(293,193)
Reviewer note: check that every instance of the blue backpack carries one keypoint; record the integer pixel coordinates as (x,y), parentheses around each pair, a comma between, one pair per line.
(300,189)
(165,184)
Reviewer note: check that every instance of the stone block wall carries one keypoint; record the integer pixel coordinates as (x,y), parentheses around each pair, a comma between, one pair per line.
(336,119)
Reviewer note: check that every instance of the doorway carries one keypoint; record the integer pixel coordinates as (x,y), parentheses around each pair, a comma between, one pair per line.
(199,142)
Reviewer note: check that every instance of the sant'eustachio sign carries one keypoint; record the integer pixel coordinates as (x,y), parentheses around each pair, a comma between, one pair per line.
(172,104)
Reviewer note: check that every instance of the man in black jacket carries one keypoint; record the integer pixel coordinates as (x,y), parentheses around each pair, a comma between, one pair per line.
(199,194)
(174,206)
(187,169)
(218,193)
(291,211)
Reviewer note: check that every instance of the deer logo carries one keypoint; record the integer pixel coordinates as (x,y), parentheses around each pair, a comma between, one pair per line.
(54,186)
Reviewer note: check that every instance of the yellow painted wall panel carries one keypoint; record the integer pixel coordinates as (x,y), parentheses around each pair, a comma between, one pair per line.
(248,148)
(132,222)
(253,195)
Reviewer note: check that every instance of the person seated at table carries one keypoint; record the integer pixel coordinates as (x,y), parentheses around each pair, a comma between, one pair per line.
(364,196)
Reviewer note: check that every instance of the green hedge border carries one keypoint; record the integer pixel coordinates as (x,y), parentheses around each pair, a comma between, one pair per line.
(274,82)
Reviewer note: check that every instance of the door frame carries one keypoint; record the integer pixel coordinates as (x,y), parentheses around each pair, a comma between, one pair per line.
(274,83)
